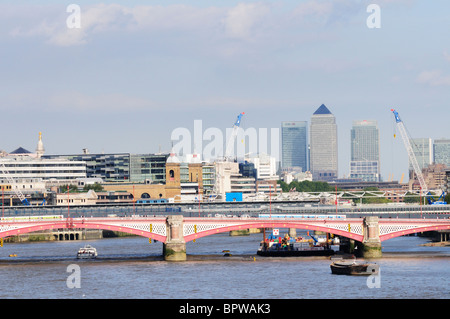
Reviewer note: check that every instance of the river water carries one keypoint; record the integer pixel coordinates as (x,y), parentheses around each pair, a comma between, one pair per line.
(131,268)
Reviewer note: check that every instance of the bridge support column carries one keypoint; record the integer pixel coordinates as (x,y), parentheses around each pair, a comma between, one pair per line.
(371,245)
(174,249)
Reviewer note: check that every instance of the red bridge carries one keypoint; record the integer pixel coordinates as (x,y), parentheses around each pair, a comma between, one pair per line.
(175,230)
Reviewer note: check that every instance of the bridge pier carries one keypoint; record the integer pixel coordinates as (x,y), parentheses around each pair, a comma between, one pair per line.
(371,245)
(174,249)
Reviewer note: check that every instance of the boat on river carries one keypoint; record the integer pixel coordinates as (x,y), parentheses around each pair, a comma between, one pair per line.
(87,252)
(294,247)
(353,267)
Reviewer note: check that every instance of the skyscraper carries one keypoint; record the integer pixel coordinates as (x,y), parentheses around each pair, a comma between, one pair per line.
(441,149)
(423,150)
(294,144)
(324,151)
(365,151)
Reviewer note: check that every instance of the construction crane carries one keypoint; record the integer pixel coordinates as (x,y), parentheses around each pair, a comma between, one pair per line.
(414,163)
(230,144)
(13,184)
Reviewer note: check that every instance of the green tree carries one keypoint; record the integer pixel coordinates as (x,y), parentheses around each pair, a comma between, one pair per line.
(284,186)
(96,187)
(306,186)
(72,188)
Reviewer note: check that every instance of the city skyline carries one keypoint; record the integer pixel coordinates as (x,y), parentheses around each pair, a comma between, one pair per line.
(136,71)
(416,142)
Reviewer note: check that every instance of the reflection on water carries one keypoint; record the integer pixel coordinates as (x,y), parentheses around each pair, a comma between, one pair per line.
(132,268)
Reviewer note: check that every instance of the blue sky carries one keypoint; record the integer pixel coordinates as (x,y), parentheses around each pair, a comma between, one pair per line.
(137,70)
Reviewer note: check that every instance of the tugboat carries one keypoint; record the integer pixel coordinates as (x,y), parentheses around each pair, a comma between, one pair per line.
(87,252)
(346,267)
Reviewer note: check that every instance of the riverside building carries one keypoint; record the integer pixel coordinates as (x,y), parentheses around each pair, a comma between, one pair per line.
(21,164)
(117,167)
(46,169)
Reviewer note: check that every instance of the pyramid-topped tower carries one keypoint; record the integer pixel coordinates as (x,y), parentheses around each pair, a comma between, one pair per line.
(323,145)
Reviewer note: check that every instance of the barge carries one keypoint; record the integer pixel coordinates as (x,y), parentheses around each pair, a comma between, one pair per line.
(295,247)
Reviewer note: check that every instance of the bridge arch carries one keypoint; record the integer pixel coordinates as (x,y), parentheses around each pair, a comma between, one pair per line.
(66,225)
(388,229)
(275,224)
(399,233)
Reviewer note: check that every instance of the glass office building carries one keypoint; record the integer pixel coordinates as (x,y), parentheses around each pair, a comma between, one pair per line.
(442,151)
(122,166)
(324,148)
(294,145)
(423,150)
(365,151)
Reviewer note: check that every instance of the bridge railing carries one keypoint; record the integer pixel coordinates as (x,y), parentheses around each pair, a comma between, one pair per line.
(226,209)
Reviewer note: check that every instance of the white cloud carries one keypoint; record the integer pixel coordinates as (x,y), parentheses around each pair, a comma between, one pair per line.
(96,19)
(107,18)
(245,21)
(236,21)
(433,78)
(242,20)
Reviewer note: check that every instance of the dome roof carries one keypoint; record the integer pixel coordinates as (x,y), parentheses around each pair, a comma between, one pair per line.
(173,159)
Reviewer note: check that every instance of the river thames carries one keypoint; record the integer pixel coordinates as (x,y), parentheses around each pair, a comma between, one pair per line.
(132,268)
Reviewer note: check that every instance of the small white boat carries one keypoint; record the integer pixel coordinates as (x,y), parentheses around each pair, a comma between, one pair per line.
(87,252)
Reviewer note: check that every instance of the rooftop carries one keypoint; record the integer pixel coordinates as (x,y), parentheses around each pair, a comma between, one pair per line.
(322,110)
(20,150)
